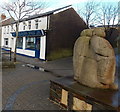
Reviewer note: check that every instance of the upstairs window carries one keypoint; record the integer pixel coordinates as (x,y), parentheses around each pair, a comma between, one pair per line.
(12,27)
(36,23)
(7,29)
(24,25)
(4,29)
(29,25)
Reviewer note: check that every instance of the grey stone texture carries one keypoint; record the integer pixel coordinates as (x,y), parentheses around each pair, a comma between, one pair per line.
(94,60)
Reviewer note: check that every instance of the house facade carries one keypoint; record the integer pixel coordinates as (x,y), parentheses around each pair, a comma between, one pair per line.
(2,18)
(45,35)
(30,33)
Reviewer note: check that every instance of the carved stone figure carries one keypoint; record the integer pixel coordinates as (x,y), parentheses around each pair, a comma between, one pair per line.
(94,60)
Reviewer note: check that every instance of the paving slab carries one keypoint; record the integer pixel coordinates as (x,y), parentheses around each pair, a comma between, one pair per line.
(24,88)
(62,67)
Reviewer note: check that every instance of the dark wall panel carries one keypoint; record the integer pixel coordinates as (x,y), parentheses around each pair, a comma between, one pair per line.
(65,28)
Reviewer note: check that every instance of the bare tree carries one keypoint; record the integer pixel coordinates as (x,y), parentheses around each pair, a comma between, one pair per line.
(21,9)
(88,12)
(108,15)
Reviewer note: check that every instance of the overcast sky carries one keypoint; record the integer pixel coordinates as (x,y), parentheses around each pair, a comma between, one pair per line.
(60,3)
(67,2)
(53,4)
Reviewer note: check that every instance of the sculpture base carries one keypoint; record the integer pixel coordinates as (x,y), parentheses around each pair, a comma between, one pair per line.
(74,96)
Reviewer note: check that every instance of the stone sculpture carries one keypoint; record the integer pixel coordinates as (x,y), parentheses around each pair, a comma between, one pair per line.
(94,60)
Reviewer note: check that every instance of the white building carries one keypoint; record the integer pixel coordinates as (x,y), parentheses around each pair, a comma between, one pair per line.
(43,34)
(2,18)
(26,41)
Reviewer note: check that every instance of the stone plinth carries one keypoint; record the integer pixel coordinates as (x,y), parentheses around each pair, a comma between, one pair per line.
(74,96)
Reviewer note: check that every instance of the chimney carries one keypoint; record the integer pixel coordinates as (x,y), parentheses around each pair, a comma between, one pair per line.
(3,16)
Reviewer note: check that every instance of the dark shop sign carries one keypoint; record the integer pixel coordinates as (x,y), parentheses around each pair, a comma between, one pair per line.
(29,33)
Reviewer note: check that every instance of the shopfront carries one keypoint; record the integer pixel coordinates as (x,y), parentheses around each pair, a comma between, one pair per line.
(29,43)
(61,32)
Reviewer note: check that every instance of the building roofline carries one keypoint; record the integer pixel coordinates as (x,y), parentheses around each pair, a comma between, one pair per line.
(43,14)
(7,21)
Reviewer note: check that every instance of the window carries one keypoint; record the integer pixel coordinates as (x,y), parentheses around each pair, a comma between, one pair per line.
(6,41)
(30,43)
(24,25)
(12,27)
(7,29)
(36,23)
(29,25)
(4,29)
(20,42)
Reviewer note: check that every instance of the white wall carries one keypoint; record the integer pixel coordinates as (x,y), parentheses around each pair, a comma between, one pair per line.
(42,47)
(6,34)
(26,52)
(2,37)
(42,24)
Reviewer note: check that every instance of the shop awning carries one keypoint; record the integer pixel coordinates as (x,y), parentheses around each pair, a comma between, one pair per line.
(29,33)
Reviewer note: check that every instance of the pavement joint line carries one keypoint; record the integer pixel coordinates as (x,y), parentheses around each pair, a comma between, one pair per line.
(42,69)
(11,100)
(36,67)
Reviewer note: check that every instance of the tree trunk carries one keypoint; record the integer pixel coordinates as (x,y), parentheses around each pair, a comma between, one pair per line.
(17,29)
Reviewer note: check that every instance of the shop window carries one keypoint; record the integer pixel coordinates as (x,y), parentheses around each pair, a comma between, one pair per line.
(30,43)
(36,23)
(29,25)
(20,42)
(6,41)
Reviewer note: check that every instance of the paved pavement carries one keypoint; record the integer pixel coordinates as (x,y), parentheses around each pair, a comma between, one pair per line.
(24,88)
(61,67)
